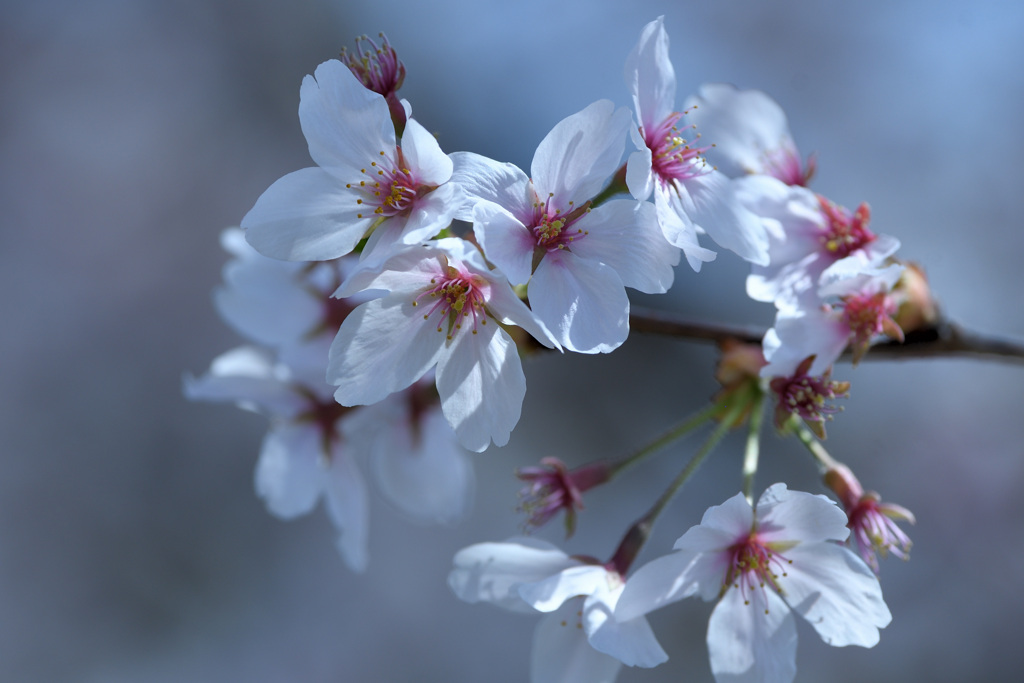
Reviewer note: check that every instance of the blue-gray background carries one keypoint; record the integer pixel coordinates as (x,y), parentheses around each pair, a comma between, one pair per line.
(132,548)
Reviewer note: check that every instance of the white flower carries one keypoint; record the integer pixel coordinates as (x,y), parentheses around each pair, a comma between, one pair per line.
(750,132)
(364,182)
(578,641)
(691,197)
(855,308)
(762,568)
(303,457)
(576,258)
(441,308)
(807,234)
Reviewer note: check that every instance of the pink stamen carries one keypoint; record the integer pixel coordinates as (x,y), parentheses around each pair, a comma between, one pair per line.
(552,229)
(754,565)
(672,156)
(388,187)
(846,232)
(458,296)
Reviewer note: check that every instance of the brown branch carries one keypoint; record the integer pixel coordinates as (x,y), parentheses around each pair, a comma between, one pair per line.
(944,339)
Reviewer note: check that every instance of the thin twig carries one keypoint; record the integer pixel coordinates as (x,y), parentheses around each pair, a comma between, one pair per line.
(944,339)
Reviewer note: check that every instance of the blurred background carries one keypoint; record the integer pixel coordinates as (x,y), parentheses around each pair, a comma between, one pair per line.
(132,546)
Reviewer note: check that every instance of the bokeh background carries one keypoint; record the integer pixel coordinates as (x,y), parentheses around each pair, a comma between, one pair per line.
(132,547)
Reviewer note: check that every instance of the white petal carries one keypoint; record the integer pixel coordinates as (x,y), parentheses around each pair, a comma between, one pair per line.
(549,593)
(481,383)
(748,645)
(709,200)
(485,179)
(267,300)
(382,347)
(788,516)
(307,215)
(429,165)
(420,468)
(650,76)
(506,241)
(408,270)
(349,507)
(799,334)
(562,654)
(832,588)
(681,232)
(492,572)
(639,170)
(431,213)
(625,235)
(575,160)
(345,124)
(582,302)
(290,473)
(632,642)
(734,517)
(247,376)
(660,582)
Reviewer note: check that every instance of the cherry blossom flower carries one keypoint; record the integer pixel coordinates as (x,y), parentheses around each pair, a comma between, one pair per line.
(577,259)
(854,309)
(763,566)
(807,397)
(750,132)
(442,307)
(690,195)
(578,640)
(872,523)
(413,455)
(808,234)
(553,487)
(364,183)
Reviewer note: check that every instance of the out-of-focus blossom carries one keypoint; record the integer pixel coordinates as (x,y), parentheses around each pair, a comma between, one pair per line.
(750,132)
(552,487)
(304,456)
(808,397)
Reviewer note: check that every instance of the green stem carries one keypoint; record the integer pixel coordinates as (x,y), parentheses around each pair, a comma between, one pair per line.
(696,461)
(640,531)
(806,436)
(683,428)
(753,447)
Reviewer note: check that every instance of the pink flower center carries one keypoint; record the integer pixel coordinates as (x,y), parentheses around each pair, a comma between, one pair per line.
(866,314)
(457,295)
(845,232)
(784,164)
(807,396)
(753,565)
(388,188)
(553,229)
(672,156)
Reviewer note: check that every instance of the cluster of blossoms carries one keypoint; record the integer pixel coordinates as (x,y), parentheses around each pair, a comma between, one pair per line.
(380,332)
